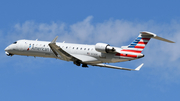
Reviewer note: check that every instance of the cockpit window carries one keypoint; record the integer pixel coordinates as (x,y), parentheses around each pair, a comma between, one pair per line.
(14,42)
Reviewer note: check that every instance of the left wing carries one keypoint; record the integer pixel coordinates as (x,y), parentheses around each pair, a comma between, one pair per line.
(59,52)
(122,68)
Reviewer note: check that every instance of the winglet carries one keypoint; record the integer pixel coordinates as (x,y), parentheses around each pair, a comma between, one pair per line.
(139,67)
(54,41)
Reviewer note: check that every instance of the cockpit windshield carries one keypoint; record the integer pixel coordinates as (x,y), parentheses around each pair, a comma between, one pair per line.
(14,42)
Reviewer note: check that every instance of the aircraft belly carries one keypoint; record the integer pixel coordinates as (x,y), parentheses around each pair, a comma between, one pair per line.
(110,58)
(106,58)
(34,53)
(119,60)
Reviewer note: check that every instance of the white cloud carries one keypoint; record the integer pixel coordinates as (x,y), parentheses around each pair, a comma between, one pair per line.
(115,32)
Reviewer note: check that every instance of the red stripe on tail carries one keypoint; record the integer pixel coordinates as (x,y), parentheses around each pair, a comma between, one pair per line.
(126,55)
(142,43)
(134,51)
(141,47)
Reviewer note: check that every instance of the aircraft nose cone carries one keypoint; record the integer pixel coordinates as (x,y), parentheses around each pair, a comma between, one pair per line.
(6,49)
(9,48)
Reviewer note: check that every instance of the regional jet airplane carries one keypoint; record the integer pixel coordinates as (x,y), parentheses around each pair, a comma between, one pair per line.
(81,54)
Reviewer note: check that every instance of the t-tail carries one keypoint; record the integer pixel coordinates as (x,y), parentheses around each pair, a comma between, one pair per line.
(141,41)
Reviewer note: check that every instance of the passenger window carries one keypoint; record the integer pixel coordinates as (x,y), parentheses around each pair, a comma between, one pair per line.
(81,48)
(73,47)
(77,48)
(66,47)
(88,48)
(84,48)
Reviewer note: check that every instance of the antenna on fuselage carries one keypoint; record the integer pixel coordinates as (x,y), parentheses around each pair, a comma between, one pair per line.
(36,39)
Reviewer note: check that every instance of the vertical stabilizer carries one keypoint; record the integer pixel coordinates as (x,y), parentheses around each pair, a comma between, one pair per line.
(141,41)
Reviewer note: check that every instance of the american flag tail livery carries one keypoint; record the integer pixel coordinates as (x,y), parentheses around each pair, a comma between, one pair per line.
(141,41)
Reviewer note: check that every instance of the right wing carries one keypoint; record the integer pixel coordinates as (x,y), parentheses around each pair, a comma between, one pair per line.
(116,67)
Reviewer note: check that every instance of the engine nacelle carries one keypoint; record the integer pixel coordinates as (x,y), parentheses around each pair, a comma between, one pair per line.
(104,48)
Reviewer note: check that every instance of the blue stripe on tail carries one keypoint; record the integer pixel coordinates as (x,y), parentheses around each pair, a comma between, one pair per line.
(134,43)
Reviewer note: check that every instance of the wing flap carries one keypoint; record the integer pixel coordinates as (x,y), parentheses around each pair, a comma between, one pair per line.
(86,59)
(116,67)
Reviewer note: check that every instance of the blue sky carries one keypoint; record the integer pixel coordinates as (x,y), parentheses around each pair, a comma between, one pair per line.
(116,22)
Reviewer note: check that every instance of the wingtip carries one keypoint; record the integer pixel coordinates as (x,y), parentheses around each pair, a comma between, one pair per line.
(172,42)
(54,41)
(139,67)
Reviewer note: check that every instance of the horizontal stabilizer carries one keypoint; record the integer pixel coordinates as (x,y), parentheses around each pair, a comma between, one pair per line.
(162,39)
(116,67)
(156,37)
